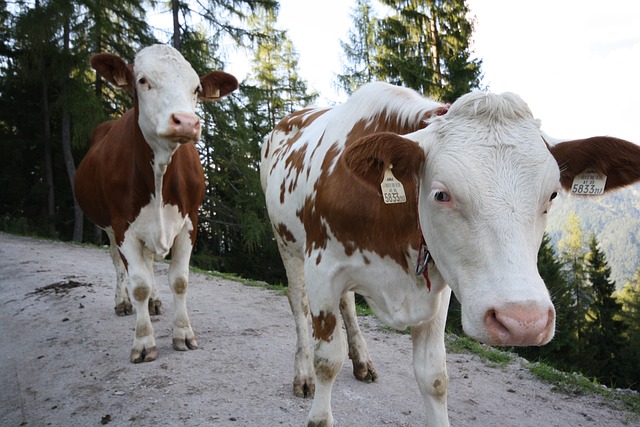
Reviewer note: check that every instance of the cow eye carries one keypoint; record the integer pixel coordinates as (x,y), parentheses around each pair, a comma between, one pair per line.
(144,82)
(553,196)
(198,90)
(442,196)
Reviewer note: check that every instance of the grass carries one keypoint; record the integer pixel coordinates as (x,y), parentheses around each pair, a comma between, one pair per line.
(562,382)
(488,354)
(575,383)
(278,287)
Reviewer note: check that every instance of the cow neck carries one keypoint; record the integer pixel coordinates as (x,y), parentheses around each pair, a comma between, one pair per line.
(158,157)
(424,256)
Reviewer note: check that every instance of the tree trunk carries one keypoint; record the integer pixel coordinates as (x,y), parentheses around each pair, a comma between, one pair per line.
(435,54)
(48,162)
(175,8)
(66,147)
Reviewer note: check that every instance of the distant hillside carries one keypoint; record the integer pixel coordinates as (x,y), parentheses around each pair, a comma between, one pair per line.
(615,220)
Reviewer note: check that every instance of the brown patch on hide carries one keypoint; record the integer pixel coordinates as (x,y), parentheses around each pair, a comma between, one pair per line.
(285,234)
(387,122)
(350,202)
(323,326)
(299,119)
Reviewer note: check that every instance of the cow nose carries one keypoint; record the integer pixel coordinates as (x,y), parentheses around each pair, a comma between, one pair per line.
(520,324)
(185,125)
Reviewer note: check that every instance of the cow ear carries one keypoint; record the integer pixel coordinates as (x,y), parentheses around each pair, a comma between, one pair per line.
(370,156)
(114,69)
(217,84)
(616,158)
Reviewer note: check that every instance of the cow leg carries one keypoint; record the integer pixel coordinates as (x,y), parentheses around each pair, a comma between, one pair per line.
(328,357)
(155,305)
(141,281)
(304,378)
(429,362)
(363,368)
(123,303)
(183,336)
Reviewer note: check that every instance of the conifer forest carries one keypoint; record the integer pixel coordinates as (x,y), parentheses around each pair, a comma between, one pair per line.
(51,100)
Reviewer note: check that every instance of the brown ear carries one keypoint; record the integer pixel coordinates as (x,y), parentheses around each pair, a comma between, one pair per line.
(217,84)
(371,155)
(114,69)
(616,158)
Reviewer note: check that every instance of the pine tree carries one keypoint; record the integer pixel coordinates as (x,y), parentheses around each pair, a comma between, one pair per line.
(235,234)
(572,253)
(605,333)
(425,45)
(629,298)
(359,50)
(563,350)
(275,70)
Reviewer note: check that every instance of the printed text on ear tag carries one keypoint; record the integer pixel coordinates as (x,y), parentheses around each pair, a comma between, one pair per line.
(392,189)
(589,183)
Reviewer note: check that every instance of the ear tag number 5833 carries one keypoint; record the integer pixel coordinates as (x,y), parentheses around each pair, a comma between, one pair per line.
(589,183)
(392,189)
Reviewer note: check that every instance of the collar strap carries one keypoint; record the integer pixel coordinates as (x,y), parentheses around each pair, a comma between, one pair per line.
(424,256)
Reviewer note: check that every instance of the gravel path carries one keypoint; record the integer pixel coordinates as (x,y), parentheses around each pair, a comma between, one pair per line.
(65,359)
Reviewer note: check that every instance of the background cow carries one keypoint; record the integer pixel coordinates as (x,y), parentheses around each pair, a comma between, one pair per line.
(142,182)
(465,195)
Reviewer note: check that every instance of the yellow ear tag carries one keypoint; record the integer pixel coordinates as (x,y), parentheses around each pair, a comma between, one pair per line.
(392,189)
(589,183)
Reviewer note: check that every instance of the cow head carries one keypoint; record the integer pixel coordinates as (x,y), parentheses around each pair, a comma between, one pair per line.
(486,180)
(166,90)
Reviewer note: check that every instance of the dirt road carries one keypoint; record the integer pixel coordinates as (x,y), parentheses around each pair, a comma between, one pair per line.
(64,360)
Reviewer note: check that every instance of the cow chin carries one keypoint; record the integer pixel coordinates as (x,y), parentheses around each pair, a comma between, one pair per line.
(181,138)
(184,140)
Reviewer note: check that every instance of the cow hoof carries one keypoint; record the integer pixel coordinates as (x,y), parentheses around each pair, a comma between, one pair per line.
(364,371)
(304,389)
(323,423)
(124,309)
(144,355)
(181,344)
(155,307)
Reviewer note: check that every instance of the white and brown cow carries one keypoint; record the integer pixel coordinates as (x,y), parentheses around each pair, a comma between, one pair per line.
(142,182)
(473,185)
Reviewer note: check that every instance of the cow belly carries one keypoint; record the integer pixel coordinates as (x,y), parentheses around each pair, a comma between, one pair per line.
(286,224)
(156,227)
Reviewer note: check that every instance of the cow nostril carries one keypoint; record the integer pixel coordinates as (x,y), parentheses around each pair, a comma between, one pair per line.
(495,325)
(522,324)
(175,119)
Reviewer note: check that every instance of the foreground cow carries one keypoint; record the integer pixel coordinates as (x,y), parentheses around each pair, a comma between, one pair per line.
(142,182)
(464,203)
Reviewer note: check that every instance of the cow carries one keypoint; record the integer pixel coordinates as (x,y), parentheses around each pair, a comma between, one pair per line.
(403,199)
(142,182)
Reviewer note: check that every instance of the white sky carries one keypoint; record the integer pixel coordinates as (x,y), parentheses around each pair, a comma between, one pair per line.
(575,62)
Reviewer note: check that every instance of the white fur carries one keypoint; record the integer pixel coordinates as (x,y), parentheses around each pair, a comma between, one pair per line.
(170,86)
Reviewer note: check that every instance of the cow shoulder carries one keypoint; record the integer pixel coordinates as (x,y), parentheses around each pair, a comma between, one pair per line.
(350,200)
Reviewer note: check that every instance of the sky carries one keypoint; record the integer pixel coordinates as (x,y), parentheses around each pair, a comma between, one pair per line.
(575,62)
